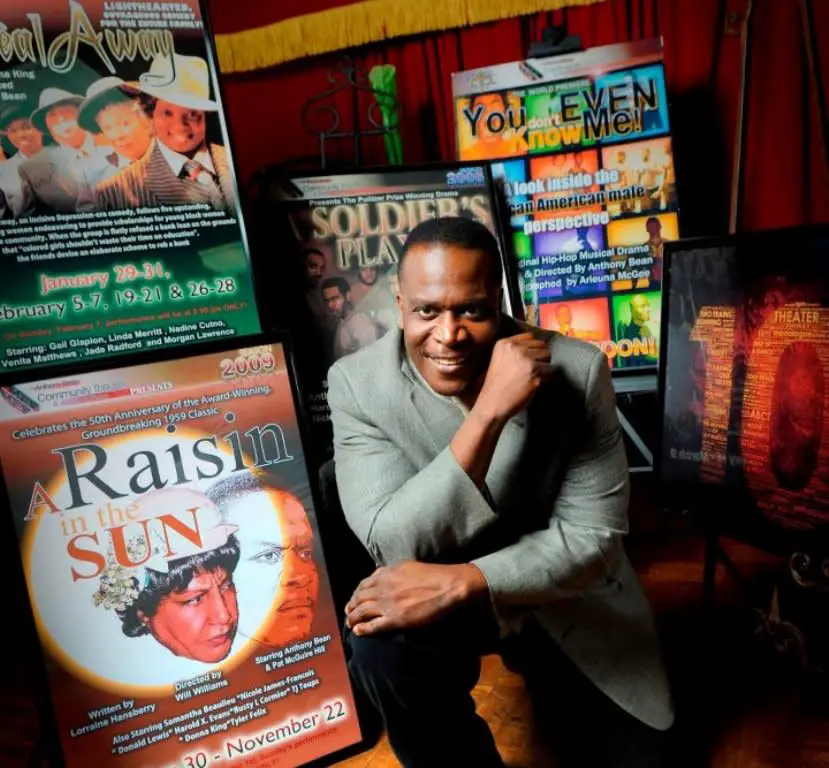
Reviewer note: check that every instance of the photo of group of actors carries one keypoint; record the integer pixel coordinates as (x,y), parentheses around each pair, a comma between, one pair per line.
(351,309)
(116,143)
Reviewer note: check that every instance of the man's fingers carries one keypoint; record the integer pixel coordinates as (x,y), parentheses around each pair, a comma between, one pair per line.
(542,354)
(374,626)
(362,612)
(544,370)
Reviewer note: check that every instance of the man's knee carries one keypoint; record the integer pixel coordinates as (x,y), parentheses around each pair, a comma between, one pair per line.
(405,661)
(376,657)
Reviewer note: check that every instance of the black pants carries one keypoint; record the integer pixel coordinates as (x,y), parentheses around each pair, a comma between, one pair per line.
(421,680)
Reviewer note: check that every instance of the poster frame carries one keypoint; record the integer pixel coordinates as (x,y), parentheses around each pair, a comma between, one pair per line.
(687,498)
(283,176)
(243,209)
(48,738)
(635,380)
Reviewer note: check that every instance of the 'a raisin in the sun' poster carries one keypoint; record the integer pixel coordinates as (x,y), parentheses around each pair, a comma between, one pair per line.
(170,548)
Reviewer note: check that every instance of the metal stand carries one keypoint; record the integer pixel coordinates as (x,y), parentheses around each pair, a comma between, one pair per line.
(625,387)
(321,116)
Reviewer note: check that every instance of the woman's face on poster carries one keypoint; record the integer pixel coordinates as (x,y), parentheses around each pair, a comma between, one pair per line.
(127,127)
(200,621)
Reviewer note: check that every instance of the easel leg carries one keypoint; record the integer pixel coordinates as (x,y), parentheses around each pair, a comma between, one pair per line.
(709,579)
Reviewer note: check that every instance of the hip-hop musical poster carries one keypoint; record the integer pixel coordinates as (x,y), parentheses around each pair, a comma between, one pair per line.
(582,144)
(120,223)
(169,544)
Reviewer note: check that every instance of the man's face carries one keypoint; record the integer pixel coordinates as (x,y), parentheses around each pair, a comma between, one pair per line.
(491,103)
(314,267)
(450,310)
(182,130)
(24,137)
(200,621)
(564,316)
(654,228)
(335,301)
(620,158)
(640,310)
(62,122)
(276,570)
(368,275)
(299,582)
(128,128)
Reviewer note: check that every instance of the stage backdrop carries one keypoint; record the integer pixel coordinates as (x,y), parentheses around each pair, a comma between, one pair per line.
(120,224)
(582,145)
(169,542)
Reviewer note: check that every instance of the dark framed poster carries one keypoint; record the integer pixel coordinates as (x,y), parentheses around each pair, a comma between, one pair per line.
(120,223)
(582,144)
(745,386)
(350,229)
(168,538)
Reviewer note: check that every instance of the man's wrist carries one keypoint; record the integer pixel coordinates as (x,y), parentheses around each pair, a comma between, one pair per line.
(487,419)
(470,584)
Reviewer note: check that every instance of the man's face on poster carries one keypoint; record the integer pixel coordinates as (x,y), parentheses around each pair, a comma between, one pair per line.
(62,122)
(24,137)
(276,564)
(564,316)
(127,127)
(200,621)
(640,310)
(334,301)
(492,103)
(299,580)
(654,228)
(182,130)
(314,267)
(367,275)
(620,158)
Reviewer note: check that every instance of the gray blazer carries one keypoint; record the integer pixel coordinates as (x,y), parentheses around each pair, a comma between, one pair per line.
(547,529)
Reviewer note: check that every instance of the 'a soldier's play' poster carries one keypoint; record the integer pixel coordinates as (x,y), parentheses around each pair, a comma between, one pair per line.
(120,225)
(351,230)
(171,553)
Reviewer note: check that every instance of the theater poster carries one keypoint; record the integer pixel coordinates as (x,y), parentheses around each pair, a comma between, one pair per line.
(745,391)
(169,543)
(350,231)
(120,224)
(582,145)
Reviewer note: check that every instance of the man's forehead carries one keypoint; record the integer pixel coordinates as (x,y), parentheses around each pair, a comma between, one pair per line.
(437,261)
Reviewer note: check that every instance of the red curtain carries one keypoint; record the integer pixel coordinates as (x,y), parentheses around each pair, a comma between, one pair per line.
(785,176)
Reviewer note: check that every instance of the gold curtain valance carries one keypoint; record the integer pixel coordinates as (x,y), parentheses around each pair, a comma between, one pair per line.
(364,22)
